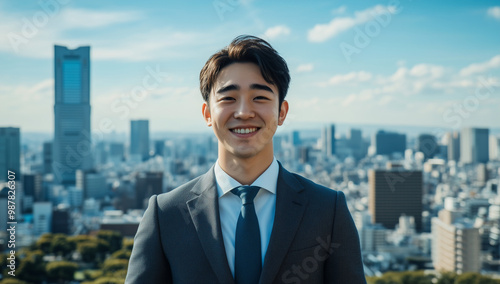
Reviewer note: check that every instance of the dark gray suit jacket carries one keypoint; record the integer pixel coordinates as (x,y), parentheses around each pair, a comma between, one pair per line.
(313,240)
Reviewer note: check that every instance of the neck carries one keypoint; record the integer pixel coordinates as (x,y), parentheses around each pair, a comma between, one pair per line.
(245,170)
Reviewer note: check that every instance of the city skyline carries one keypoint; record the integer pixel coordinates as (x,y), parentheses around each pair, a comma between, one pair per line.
(382,63)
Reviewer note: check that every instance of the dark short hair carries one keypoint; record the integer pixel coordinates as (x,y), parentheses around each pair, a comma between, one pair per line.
(247,49)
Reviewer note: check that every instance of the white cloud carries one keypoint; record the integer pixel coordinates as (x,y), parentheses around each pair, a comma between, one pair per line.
(494,12)
(423,70)
(29,105)
(323,32)
(340,10)
(87,19)
(305,68)
(481,67)
(134,43)
(360,76)
(277,31)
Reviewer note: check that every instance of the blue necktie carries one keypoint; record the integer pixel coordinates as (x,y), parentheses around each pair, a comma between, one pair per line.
(247,260)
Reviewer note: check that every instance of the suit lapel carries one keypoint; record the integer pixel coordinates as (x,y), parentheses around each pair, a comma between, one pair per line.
(290,207)
(205,215)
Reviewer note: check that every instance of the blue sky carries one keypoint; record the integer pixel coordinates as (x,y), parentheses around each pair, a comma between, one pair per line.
(426,63)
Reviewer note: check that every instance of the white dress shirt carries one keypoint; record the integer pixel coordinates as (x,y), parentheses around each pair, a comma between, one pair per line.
(230,207)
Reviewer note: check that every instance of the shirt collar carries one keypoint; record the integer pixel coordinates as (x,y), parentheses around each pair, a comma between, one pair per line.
(268,180)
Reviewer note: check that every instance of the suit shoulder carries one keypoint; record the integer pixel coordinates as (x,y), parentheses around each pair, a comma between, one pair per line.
(181,193)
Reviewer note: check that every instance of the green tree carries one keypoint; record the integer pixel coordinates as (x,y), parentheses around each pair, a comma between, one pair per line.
(61,270)
(468,278)
(109,280)
(415,277)
(114,239)
(128,244)
(121,254)
(44,243)
(92,274)
(32,267)
(446,278)
(3,263)
(61,246)
(79,239)
(113,265)
(88,250)
(12,281)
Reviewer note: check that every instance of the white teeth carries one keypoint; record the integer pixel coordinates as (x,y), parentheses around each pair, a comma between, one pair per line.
(244,130)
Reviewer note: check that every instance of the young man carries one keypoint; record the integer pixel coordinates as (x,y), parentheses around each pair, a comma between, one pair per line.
(247,220)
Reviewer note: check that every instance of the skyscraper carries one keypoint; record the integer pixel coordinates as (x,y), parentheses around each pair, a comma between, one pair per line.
(147,184)
(394,193)
(456,245)
(474,145)
(329,140)
(454,146)
(295,138)
(47,157)
(387,143)
(10,152)
(494,147)
(427,144)
(355,143)
(92,183)
(139,138)
(72,148)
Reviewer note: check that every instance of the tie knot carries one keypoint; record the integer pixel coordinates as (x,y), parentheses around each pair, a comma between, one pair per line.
(246,193)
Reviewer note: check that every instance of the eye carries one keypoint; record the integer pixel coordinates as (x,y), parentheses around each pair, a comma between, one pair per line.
(262,98)
(227,99)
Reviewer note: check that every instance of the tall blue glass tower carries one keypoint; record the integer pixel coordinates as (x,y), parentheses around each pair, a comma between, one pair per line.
(72,137)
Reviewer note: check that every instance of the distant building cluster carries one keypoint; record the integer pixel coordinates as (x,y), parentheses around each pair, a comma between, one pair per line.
(425,201)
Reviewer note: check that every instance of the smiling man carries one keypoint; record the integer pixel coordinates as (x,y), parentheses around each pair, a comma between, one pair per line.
(247,220)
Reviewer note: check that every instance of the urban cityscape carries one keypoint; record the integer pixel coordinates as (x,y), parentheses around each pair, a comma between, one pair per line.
(420,201)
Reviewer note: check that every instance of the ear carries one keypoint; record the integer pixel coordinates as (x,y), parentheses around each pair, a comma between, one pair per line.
(283,112)
(205,110)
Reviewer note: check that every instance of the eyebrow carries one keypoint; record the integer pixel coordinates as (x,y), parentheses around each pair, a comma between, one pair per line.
(237,87)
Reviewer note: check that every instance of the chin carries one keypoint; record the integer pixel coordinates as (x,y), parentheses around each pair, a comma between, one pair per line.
(245,154)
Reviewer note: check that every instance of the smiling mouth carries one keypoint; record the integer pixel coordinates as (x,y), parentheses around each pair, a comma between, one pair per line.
(245,130)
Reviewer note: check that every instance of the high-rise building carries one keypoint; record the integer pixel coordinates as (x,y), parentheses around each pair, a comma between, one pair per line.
(61,220)
(394,193)
(32,184)
(494,147)
(74,197)
(116,152)
(10,152)
(427,144)
(139,138)
(372,237)
(355,143)
(92,183)
(454,146)
(159,148)
(388,143)
(474,145)
(47,157)
(146,185)
(295,138)
(4,197)
(72,136)
(328,137)
(456,246)
(42,218)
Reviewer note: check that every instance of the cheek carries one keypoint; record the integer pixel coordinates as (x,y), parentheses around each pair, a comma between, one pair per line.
(217,115)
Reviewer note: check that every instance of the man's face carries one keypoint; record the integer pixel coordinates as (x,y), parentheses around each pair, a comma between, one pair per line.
(244,112)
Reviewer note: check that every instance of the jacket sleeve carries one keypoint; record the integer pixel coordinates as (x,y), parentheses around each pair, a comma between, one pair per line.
(148,263)
(344,264)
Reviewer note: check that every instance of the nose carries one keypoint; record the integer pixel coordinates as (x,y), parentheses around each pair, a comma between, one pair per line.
(244,110)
